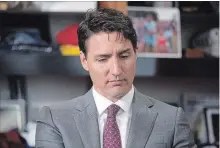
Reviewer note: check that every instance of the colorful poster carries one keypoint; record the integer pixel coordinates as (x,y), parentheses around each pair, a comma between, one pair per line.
(158,31)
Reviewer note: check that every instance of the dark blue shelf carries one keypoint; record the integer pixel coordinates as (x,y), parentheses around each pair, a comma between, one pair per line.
(36,64)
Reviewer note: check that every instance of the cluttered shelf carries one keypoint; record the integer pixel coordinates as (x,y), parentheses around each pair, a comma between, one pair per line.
(41,13)
(49,30)
(33,64)
(47,7)
(211,18)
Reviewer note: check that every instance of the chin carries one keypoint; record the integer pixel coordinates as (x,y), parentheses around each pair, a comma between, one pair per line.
(120,92)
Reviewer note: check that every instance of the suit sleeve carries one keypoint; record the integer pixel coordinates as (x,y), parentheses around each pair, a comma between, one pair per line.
(47,135)
(183,137)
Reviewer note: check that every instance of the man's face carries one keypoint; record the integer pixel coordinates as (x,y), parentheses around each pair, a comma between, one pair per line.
(111,63)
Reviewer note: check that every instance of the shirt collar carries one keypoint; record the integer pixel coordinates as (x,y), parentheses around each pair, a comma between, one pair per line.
(103,103)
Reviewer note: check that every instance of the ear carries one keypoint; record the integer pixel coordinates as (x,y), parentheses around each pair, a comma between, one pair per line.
(83,61)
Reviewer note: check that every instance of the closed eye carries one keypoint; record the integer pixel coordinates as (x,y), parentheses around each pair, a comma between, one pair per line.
(124,57)
(101,60)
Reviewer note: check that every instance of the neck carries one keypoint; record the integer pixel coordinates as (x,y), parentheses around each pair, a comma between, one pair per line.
(111,98)
(114,99)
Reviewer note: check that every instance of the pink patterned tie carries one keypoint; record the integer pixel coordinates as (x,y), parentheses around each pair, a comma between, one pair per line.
(112,138)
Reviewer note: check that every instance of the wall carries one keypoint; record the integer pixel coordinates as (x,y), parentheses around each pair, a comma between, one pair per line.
(45,89)
(170,89)
(4,92)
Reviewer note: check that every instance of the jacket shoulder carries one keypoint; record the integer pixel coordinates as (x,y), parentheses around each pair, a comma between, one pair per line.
(159,106)
(165,111)
(65,107)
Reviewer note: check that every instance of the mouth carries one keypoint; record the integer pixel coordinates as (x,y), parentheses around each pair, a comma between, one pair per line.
(117,82)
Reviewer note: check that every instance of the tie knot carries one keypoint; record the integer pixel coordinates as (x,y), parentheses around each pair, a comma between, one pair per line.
(113,110)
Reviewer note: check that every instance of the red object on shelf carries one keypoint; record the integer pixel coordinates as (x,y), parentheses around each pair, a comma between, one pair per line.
(194,53)
(68,35)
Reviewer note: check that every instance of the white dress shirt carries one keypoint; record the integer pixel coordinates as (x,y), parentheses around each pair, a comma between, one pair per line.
(123,117)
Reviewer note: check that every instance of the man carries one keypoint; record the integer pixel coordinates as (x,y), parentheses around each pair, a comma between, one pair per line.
(113,114)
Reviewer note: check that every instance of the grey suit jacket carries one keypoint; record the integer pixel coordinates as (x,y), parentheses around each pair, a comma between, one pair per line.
(74,124)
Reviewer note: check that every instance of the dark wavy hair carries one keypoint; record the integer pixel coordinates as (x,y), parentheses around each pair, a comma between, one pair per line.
(105,20)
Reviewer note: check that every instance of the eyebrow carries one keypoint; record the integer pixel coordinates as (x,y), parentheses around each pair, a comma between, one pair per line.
(124,51)
(103,55)
(109,55)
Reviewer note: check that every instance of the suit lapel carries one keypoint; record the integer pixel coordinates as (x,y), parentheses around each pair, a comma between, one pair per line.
(87,122)
(142,121)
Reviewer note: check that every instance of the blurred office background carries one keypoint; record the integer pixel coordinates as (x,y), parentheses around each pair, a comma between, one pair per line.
(39,64)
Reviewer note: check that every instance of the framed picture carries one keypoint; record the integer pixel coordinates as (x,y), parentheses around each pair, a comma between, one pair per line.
(158,31)
(212,121)
(193,103)
(200,110)
(12,114)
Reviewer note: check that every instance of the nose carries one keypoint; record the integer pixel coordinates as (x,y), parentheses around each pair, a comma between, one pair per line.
(116,68)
